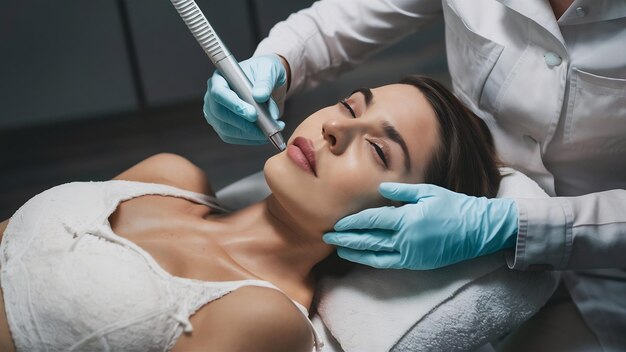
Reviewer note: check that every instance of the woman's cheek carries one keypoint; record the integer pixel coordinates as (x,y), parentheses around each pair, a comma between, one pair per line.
(354,192)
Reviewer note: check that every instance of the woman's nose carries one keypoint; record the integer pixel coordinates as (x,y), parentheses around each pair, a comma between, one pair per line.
(338,134)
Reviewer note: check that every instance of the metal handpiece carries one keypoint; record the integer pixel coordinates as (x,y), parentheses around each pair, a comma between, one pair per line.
(228,67)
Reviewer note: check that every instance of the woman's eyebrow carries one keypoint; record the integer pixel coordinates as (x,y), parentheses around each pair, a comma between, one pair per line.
(393,134)
(388,128)
(367,93)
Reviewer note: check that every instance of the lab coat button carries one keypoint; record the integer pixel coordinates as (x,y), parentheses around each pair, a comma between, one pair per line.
(552,59)
(580,12)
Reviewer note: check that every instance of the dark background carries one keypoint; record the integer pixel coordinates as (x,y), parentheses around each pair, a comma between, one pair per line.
(89,88)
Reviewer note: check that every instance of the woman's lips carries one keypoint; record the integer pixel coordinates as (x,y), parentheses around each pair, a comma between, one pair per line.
(302,153)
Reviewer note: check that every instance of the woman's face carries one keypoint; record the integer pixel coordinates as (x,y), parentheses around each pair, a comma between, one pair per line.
(335,161)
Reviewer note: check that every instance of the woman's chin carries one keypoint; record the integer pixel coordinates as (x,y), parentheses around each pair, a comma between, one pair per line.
(271,171)
(292,188)
(281,173)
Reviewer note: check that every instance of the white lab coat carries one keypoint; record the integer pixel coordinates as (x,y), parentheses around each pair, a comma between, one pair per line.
(554,96)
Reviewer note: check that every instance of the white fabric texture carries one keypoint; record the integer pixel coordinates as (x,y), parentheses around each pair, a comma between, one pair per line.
(460,307)
(480,312)
(70,283)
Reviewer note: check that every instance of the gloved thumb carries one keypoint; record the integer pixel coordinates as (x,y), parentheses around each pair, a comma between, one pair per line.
(406,192)
(266,81)
(401,192)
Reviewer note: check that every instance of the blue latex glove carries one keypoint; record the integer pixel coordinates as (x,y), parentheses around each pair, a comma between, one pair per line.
(232,118)
(437,228)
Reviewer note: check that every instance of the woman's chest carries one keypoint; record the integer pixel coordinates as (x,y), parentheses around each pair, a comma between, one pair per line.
(175,234)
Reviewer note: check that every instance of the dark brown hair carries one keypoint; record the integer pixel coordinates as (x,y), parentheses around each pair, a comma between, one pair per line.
(465,160)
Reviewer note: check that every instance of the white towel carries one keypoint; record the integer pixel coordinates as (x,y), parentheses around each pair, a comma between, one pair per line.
(371,309)
(480,312)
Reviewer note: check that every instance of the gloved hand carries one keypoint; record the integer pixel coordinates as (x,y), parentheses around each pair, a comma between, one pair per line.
(232,118)
(437,228)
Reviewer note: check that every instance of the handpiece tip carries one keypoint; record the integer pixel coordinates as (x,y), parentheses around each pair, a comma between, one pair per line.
(278,141)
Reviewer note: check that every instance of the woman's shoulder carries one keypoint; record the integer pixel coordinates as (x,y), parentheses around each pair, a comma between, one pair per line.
(169,169)
(250,319)
(271,321)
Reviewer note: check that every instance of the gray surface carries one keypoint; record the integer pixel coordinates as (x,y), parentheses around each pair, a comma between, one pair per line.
(62,61)
(36,159)
(172,66)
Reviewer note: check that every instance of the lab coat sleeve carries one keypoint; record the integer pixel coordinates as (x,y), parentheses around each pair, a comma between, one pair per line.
(585,232)
(332,36)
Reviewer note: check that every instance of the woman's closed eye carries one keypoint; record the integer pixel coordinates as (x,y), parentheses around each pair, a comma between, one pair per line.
(377,148)
(344,102)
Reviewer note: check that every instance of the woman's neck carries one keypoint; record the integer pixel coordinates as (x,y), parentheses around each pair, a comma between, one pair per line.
(268,243)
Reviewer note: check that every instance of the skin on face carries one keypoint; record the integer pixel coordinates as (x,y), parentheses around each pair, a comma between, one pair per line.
(348,167)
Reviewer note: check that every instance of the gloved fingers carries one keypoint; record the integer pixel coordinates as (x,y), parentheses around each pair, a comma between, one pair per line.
(380,260)
(246,130)
(227,124)
(219,113)
(221,93)
(281,124)
(386,218)
(269,75)
(241,141)
(274,111)
(406,192)
(377,241)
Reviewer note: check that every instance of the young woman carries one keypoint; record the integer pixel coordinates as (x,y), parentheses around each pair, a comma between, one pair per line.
(132,263)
